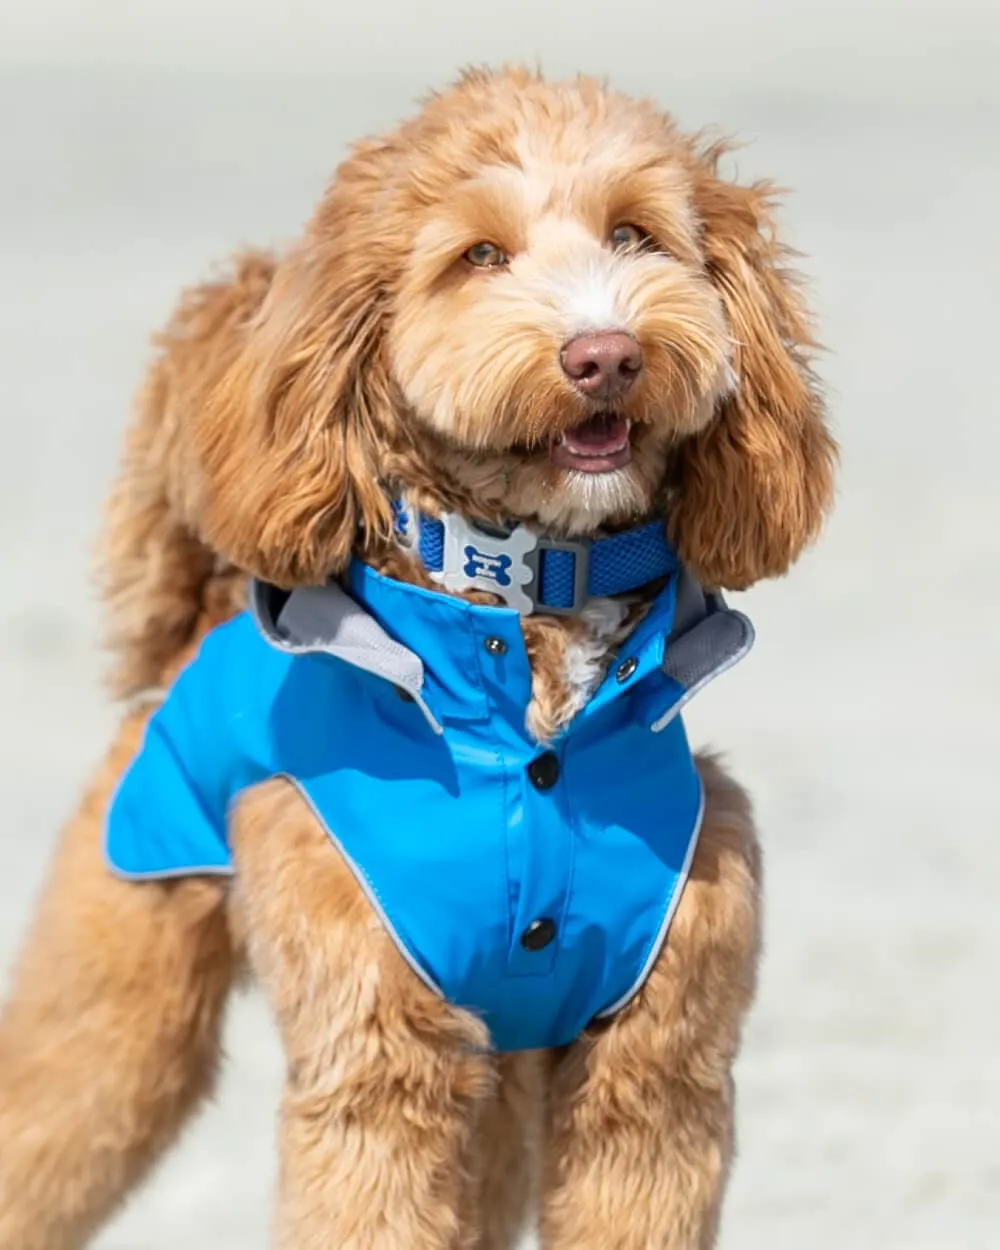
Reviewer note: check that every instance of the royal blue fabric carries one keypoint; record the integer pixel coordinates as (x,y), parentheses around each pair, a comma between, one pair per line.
(456,848)
(620,563)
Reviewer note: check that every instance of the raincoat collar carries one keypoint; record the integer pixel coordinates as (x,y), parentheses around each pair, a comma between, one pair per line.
(458,660)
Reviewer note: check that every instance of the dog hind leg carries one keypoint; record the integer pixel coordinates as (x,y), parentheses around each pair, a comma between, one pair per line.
(111,1034)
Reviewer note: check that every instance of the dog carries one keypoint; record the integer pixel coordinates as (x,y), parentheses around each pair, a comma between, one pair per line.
(417,551)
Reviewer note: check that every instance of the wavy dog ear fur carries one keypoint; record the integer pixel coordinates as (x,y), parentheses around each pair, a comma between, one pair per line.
(288,441)
(751,490)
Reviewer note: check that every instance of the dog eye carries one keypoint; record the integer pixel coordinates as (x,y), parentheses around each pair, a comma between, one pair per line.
(627,237)
(486,256)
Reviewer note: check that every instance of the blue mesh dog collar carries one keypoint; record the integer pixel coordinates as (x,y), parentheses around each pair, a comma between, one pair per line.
(534,573)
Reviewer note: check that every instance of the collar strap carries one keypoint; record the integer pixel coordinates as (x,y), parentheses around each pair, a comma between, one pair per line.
(534,573)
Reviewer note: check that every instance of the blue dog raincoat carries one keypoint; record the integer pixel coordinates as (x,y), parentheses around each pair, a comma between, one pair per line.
(532,886)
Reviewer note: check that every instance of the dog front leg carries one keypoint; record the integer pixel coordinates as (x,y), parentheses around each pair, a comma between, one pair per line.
(507,1151)
(385,1081)
(111,1034)
(640,1131)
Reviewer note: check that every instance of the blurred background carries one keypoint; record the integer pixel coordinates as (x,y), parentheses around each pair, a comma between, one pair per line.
(140,143)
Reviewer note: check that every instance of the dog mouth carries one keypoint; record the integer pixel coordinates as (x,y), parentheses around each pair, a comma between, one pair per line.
(600,444)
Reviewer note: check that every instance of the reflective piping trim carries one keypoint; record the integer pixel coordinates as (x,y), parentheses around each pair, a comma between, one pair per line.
(429,716)
(228,871)
(675,899)
(164,874)
(367,889)
(724,667)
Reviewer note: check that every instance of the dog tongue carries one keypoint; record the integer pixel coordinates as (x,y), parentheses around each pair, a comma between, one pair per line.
(602,435)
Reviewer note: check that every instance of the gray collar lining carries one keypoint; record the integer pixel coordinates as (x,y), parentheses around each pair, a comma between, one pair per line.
(326,619)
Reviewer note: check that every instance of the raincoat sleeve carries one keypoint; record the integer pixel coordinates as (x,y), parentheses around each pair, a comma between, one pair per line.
(168,815)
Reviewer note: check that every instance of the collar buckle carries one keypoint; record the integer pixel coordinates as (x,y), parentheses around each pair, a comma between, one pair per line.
(506,565)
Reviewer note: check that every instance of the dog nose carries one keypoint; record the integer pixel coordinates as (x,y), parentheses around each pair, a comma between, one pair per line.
(602,365)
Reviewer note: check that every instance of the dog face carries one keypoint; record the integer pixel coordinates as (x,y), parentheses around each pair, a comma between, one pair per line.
(554,312)
(533,302)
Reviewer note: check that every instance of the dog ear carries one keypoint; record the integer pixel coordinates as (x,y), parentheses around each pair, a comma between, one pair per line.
(751,490)
(288,441)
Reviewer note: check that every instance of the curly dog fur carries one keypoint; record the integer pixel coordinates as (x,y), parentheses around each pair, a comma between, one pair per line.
(285,404)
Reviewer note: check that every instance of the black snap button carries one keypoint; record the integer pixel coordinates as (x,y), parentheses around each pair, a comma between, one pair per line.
(627,668)
(495,646)
(544,771)
(403,694)
(538,935)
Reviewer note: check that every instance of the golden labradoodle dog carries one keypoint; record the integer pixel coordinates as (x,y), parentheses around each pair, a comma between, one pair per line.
(416,553)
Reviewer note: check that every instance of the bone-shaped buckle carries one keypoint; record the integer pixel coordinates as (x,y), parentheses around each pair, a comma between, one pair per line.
(477,560)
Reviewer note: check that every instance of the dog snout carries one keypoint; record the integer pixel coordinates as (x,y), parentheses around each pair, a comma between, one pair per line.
(602,365)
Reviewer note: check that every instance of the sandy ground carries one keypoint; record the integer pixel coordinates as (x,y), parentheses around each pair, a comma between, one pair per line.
(866,721)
